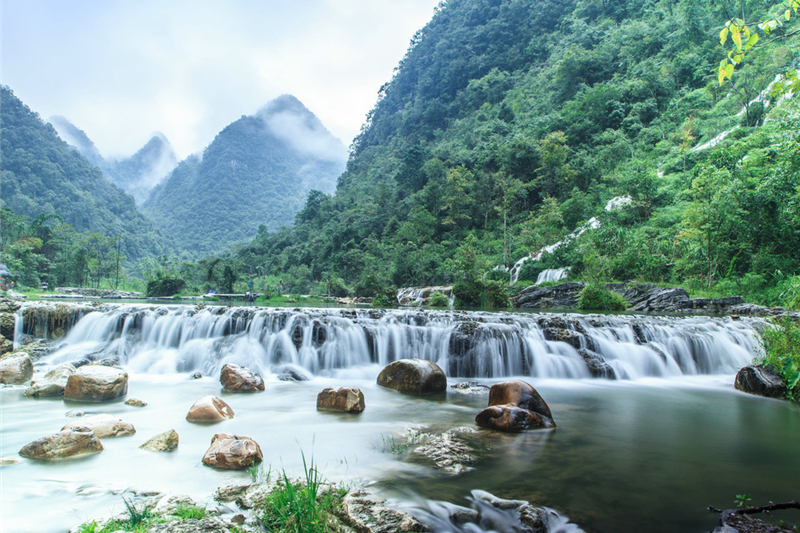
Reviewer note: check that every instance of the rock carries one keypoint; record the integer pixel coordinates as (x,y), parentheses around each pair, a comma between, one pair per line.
(413,376)
(447,451)
(94,383)
(597,365)
(563,296)
(75,413)
(53,383)
(103,426)
(533,519)
(63,445)
(233,452)
(573,338)
(235,378)
(508,418)
(245,496)
(135,402)
(470,387)
(8,322)
(196,375)
(760,380)
(8,461)
(170,505)
(163,442)
(209,409)
(517,393)
(344,399)
(369,515)
(204,525)
(16,369)
(6,345)
(292,374)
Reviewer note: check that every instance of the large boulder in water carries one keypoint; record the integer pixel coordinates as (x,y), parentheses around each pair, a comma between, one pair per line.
(517,393)
(235,378)
(209,409)
(413,376)
(63,445)
(103,426)
(96,383)
(515,406)
(232,452)
(16,368)
(509,418)
(53,383)
(760,380)
(344,399)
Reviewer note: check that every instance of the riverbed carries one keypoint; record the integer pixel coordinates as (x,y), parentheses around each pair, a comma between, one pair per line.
(644,453)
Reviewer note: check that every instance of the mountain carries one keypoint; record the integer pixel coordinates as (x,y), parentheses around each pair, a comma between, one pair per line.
(40,173)
(510,123)
(138,174)
(257,172)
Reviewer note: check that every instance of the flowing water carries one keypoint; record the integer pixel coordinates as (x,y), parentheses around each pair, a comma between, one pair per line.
(645,452)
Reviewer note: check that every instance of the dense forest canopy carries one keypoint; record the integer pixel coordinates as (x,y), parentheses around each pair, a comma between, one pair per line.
(41,175)
(510,123)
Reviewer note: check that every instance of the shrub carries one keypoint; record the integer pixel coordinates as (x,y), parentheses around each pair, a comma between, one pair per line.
(165,286)
(595,297)
(437,299)
(782,351)
(482,293)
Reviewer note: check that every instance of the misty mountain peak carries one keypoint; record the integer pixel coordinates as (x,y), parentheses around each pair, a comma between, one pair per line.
(77,138)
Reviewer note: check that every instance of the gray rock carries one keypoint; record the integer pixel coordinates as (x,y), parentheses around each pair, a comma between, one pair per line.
(135,402)
(205,525)
(563,296)
(245,496)
(16,369)
(367,514)
(8,322)
(597,365)
(470,387)
(235,378)
(163,442)
(413,376)
(448,452)
(63,445)
(760,380)
(344,399)
(103,426)
(95,383)
(52,383)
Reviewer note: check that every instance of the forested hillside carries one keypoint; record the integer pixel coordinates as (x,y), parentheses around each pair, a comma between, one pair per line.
(42,175)
(254,177)
(137,174)
(510,123)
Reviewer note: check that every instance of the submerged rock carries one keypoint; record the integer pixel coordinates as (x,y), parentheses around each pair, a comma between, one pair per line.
(369,515)
(163,442)
(96,383)
(16,369)
(413,376)
(515,406)
(53,383)
(344,399)
(509,418)
(135,402)
(447,451)
(596,364)
(760,380)
(103,426)
(235,378)
(470,387)
(209,409)
(63,445)
(232,452)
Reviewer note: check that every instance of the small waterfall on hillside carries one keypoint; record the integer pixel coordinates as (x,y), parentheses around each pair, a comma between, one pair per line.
(465,344)
(552,274)
(415,296)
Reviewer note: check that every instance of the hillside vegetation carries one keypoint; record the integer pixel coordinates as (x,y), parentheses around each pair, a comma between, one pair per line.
(253,178)
(42,175)
(510,123)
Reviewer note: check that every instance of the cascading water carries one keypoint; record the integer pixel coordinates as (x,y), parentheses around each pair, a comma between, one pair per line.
(162,340)
(552,274)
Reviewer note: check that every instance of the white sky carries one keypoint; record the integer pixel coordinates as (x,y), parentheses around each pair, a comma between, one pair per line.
(123,69)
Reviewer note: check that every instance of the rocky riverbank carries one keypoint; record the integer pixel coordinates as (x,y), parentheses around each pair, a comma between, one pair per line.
(644,297)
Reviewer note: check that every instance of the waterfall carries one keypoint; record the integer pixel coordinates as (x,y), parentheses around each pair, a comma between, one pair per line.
(152,339)
(416,296)
(552,274)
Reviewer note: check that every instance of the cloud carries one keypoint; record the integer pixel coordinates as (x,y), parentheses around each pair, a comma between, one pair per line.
(120,70)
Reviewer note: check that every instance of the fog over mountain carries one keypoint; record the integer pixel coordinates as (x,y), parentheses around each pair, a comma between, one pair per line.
(257,172)
(137,174)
